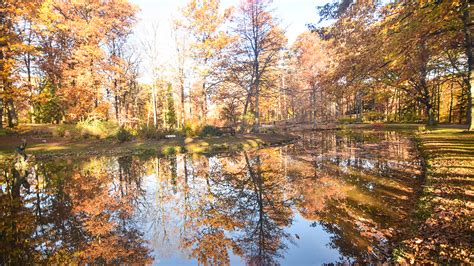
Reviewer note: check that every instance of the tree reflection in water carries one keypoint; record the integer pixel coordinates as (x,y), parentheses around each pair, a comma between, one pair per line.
(360,187)
(68,215)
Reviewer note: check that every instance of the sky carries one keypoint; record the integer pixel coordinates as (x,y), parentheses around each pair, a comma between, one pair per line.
(293,15)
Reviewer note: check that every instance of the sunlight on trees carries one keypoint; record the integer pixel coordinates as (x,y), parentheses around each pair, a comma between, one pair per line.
(407,61)
(64,62)
(81,78)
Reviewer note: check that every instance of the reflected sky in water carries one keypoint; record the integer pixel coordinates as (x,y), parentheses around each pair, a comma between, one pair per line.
(331,197)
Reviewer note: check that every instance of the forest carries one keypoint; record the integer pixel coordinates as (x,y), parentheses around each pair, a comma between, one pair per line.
(68,62)
(219,134)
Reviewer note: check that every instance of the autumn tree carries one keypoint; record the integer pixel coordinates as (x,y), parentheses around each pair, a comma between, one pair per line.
(204,20)
(407,43)
(70,40)
(12,15)
(465,9)
(310,60)
(122,66)
(182,68)
(170,115)
(256,52)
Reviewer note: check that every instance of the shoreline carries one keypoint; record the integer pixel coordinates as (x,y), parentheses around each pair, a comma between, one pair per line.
(446,203)
(54,148)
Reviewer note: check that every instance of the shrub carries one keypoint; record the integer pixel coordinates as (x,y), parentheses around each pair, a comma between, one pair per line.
(373,116)
(133,131)
(176,132)
(210,131)
(97,128)
(191,129)
(5,132)
(153,133)
(123,135)
(170,150)
(61,131)
(66,131)
(85,134)
(147,132)
(188,131)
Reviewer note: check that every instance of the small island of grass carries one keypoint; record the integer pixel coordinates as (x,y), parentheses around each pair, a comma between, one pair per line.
(49,141)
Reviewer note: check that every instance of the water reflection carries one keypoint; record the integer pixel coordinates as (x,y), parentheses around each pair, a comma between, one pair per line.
(69,214)
(257,208)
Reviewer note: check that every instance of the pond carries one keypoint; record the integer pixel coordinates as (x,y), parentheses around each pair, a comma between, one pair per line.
(331,197)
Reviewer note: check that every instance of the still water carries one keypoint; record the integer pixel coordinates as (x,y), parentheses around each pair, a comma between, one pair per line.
(331,197)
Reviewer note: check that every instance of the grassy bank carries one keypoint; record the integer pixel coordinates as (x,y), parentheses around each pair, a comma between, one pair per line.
(53,147)
(443,229)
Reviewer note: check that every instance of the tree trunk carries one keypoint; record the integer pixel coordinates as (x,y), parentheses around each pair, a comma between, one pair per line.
(204,104)
(127,109)
(467,25)
(148,118)
(438,95)
(11,114)
(153,99)
(451,104)
(246,105)
(461,105)
(164,111)
(321,105)
(183,108)
(116,105)
(430,113)
(257,109)
(399,111)
(313,105)
(30,86)
(1,113)
(4,76)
